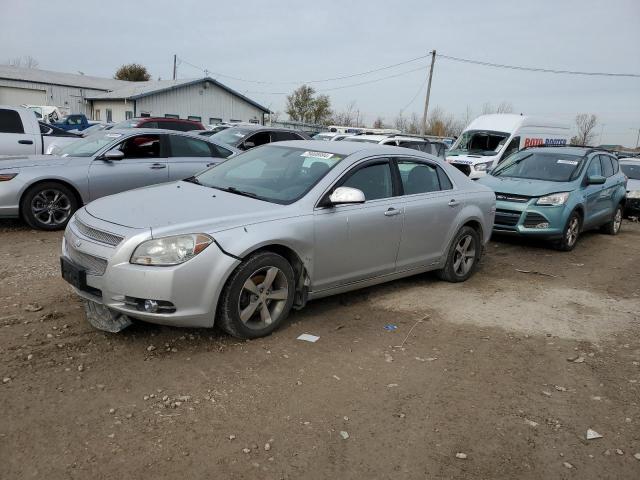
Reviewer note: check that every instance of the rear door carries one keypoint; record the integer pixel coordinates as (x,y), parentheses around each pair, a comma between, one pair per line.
(188,156)
(430,207)
(14,140)
(144,163)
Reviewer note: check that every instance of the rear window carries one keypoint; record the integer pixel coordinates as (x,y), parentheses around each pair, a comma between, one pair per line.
(631,170)
(10,121)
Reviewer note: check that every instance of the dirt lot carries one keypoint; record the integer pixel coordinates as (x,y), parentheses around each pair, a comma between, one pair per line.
(484,372)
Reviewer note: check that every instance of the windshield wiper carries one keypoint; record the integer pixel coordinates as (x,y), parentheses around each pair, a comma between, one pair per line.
(504,167)
(192,179)
(237,191)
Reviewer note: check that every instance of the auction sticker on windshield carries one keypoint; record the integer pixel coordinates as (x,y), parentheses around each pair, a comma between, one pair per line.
(568,162)
(113,135)
(323,155)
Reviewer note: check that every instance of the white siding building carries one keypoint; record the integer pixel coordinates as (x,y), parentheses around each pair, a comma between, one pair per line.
(106,99)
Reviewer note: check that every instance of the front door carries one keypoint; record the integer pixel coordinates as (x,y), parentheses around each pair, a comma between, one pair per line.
(596,208)
(356,242)
(143,164)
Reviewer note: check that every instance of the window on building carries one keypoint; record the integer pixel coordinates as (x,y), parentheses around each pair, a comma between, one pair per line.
(109,115)
(194,118)
(10,121)
(214,120)
(96,114)
(235,121)
(128,115)
(171,115)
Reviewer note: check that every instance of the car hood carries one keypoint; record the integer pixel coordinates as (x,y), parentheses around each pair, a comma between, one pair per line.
(470,159)
(520,186)
(24,161)
(183,206)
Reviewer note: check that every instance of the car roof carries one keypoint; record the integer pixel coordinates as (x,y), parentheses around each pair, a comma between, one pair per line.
(164,119)
(568,150)
(347,148)
(263,127)
(629,160)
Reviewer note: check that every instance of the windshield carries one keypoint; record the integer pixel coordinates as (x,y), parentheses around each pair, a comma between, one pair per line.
(133,123)
(553,167)
(88,146)
(631,170)
(479,142)
(361,140)
(272,173)
(231,136)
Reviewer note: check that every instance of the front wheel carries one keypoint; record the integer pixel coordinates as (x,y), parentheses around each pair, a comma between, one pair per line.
(613,226)
(463,257)
(571,233)
(48,206)
(257,297)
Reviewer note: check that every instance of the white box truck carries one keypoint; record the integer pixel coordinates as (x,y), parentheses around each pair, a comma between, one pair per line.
(489,139)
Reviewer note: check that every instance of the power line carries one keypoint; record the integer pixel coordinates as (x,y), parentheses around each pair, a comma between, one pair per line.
(536,69)
(295,82)
(422,85)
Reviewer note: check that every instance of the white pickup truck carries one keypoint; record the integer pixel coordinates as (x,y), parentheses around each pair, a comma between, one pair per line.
(22,134)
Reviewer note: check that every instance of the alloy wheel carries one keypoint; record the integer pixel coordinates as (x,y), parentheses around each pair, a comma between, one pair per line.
(464,256)
(51,207)
(263,298)
(617,220)
(573,231)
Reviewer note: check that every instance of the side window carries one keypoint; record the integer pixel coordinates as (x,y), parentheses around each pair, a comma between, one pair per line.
(220,152)
(513,147)
(418,177)
(445,182)
(374,181)
(616,165)
(420,146)
(282,136)
(258,139)
(141,146)
(10,121)
(188,147)
(595,170)
(607,167)
(149,125)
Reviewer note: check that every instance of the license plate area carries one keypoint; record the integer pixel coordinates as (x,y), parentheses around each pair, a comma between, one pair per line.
(76,276)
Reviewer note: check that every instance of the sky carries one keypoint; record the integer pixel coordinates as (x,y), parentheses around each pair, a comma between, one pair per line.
(283,43)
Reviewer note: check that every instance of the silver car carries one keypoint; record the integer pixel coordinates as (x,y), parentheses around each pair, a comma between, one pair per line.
(242,243)
(46,190)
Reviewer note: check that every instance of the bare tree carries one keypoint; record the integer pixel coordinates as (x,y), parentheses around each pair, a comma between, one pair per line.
(441,124)
(378,123)
(586,124)
(400,123)
(349,117)
(504,107)
(26,61)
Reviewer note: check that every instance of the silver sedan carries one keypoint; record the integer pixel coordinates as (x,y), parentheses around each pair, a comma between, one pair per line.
(244,242)
(45,190)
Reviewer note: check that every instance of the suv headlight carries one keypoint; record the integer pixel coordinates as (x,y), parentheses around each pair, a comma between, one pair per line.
(633,194)
(483,167)
(554,199)
(170,250)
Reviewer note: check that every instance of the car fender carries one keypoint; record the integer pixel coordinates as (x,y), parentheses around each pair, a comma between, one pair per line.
(81,186)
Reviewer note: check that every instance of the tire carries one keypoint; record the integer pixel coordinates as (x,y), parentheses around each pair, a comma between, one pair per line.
(570,233)
(105,319)
(613,226)
(48,206)
(463,257)
(246,309)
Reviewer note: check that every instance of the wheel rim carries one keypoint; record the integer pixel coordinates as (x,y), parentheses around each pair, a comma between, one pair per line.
(263,298)
(572,231)
(617,220)
(51,207)
(464,255)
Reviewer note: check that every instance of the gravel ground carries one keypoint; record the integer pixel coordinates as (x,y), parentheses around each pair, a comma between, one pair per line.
(499,377)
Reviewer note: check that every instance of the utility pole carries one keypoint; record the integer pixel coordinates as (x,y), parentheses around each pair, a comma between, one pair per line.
(423,128)
(175,58)
(638,139)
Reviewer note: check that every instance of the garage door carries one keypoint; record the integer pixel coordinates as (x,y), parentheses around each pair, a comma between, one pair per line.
(22,96)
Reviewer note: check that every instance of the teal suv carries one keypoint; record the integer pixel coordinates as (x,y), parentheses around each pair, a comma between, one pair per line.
(556,193)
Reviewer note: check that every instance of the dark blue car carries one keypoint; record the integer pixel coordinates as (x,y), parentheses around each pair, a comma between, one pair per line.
(556,193)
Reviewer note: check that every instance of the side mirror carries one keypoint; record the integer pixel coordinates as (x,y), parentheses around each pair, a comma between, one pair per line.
(113,155)
(346,195)
(248,145)
(596,179)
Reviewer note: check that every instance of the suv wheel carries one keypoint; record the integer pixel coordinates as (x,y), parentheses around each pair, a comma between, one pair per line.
(613,226)
(571,233)
(463,256)
(48,206)
(257,297)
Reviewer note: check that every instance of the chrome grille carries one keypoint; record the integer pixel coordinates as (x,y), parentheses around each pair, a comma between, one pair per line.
(92,264)
(97,235)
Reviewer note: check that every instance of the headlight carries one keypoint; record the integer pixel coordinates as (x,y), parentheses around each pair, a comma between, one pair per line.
(633,194)
(554,199)
(170,250)
(5,177)
(483,167)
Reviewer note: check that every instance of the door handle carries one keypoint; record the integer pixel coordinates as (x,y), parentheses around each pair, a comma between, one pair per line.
(156,166)
(391,212)
(25,142)
(210,164)
(453,202)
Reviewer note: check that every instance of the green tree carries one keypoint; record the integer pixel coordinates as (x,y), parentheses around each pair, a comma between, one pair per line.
(132,72)
(304,106)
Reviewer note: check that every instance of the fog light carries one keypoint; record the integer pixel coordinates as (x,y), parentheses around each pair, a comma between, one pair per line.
(543,225)
(150,306)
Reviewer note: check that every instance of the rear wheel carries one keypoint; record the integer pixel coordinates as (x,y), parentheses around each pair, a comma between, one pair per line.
(257,297)
(463,256)
(571,233)
(48,206)
(613,226)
